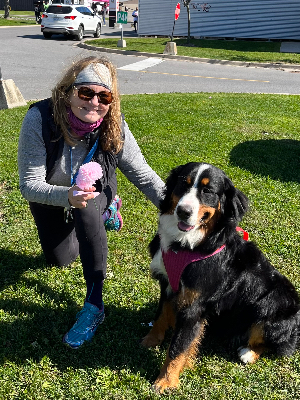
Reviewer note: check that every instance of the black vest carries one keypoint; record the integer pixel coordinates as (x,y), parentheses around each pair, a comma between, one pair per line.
(54,143)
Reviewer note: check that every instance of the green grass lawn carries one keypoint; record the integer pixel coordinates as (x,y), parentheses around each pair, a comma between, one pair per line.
(254,138)
(17,18)
(13,13)
(233,50)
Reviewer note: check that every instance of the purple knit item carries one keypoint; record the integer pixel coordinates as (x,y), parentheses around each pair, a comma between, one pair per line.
(80,127)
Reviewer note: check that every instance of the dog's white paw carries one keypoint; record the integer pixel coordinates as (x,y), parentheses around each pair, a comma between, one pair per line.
(246,355)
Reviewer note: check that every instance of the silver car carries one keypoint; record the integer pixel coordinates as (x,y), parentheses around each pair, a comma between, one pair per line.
(73,20)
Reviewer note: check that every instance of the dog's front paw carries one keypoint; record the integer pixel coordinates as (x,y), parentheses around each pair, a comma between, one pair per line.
(162,384)
(151,340)
(247,356)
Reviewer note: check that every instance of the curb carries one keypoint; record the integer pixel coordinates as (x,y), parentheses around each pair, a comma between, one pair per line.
(281,66)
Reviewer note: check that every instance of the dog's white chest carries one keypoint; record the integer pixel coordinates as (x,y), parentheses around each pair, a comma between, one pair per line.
(157,265)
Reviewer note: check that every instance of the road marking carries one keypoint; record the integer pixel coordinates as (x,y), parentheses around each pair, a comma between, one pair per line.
(147,63)
(205,77)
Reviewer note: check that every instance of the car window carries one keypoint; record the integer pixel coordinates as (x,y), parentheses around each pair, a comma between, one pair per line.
(59,9)
(84,10)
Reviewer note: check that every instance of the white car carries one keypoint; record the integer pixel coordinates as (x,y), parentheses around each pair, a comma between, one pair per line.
(75,20)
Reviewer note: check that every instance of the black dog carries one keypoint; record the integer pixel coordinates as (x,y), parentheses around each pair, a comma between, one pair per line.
(206,270)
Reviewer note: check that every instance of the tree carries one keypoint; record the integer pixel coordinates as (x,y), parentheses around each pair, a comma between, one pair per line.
(6,9)
(204,7)
(186,4)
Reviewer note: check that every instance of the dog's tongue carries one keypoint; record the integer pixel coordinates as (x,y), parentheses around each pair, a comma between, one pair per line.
(184,227)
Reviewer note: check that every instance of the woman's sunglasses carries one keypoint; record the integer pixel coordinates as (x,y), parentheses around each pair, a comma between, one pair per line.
(87,94)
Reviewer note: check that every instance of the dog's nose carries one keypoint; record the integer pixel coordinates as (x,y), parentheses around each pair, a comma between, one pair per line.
(184,211)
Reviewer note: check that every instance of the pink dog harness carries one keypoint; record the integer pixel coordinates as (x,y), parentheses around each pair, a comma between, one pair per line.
(175,263)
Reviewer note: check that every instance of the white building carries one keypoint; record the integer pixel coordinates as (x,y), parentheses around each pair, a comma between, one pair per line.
(260,19)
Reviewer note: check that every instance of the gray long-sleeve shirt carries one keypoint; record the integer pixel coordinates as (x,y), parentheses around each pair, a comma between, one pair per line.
(32,166)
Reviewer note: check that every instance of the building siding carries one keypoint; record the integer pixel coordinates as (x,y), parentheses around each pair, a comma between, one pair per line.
(260,19)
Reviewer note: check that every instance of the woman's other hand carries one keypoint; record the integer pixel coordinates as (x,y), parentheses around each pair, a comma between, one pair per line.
(80,200)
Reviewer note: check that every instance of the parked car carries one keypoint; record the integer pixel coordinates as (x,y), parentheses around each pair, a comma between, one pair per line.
(74,20)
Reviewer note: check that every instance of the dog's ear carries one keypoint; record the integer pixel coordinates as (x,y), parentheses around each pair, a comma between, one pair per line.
(171,181)
(235,202)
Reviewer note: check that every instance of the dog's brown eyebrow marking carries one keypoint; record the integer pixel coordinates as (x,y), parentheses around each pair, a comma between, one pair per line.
(189,180)
(205,181)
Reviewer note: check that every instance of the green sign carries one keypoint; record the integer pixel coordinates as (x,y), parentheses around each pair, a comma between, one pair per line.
(122,17)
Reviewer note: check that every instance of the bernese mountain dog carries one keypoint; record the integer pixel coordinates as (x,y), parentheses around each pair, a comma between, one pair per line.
(208,271)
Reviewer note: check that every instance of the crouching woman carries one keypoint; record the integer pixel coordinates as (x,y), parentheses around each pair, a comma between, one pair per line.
(81,122)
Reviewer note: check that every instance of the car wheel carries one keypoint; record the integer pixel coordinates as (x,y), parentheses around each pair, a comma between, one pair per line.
(98,31)
(79,35)
(47,35)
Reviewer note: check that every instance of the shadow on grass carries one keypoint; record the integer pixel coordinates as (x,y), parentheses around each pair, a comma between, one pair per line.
(278,159)
(116,344)
(234,45)
(37,332)
(12,265)
(30,330)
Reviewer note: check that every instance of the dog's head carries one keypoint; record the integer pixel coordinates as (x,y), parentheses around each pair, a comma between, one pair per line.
(200,202)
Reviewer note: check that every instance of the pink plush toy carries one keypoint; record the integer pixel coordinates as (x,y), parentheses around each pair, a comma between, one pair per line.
(87,175)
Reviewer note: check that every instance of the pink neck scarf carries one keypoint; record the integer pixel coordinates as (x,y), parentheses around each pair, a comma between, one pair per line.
(80,127)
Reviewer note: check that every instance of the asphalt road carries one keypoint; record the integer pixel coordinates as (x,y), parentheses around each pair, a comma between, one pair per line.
(35,65)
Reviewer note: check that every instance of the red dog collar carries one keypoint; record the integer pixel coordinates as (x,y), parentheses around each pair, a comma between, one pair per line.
(245,234)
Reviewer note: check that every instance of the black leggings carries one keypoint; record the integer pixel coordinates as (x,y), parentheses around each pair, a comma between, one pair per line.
(85,235)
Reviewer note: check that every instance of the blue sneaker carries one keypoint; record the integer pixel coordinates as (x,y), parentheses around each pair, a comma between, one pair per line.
(85,327)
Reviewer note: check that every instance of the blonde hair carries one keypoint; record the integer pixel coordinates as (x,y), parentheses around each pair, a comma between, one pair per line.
(111,135)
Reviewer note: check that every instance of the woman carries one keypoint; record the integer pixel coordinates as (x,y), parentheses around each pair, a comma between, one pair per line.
(135,15)
(37,12)
(82,119)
